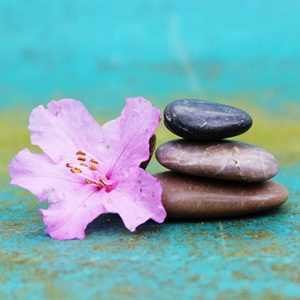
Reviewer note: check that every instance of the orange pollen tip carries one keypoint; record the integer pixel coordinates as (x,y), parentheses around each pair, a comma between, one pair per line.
(79,152)
(76,170)
(94,161)
(101,183)
(83,164)
(81,158)
(89,181)
(93,168)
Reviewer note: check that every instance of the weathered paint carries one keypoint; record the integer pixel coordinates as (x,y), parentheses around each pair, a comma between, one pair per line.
(244,257)
(243,53)
(250,258)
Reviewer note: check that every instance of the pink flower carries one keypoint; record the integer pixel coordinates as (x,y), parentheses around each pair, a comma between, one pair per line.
(87,170)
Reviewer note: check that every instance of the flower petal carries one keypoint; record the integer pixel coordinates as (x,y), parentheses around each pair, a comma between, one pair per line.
(64,128)
(72,204)
(127,137)
(137,198)
(38,174)
(67,218)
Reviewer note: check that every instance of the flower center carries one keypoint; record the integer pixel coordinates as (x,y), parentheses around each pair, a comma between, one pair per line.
(89,168)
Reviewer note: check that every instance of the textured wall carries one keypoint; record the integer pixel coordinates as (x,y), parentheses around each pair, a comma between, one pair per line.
(103,50)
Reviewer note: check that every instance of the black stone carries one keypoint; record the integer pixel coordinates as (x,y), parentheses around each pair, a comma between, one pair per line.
(205,120)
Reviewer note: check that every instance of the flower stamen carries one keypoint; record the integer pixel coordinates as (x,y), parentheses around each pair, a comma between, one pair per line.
(101,183)
(88,155)
(80,152)
(87,181)
(94,161)
(93,168)
(95,178)
(76,170)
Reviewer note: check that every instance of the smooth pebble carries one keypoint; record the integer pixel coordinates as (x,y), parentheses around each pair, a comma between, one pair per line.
(230,160)
(204,120)
(191,197)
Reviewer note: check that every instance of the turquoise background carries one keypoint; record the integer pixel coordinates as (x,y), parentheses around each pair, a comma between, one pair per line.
(101,51)
(234,51)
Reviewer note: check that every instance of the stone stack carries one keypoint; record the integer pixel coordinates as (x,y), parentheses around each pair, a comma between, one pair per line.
(212,177)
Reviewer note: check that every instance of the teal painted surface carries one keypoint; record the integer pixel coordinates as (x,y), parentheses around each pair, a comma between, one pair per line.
(101,52)
(245,258)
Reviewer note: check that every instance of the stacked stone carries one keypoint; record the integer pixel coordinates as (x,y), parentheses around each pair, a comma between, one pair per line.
(212,177)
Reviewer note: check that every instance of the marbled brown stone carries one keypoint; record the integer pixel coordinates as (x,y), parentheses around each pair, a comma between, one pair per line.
(191,197)
(229,160)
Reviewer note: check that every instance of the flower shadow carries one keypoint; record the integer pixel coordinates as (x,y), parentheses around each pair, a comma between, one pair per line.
(113,224)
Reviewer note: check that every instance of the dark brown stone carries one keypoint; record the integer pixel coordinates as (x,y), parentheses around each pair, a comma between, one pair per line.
(191,197)
(152,145)
(230,160)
